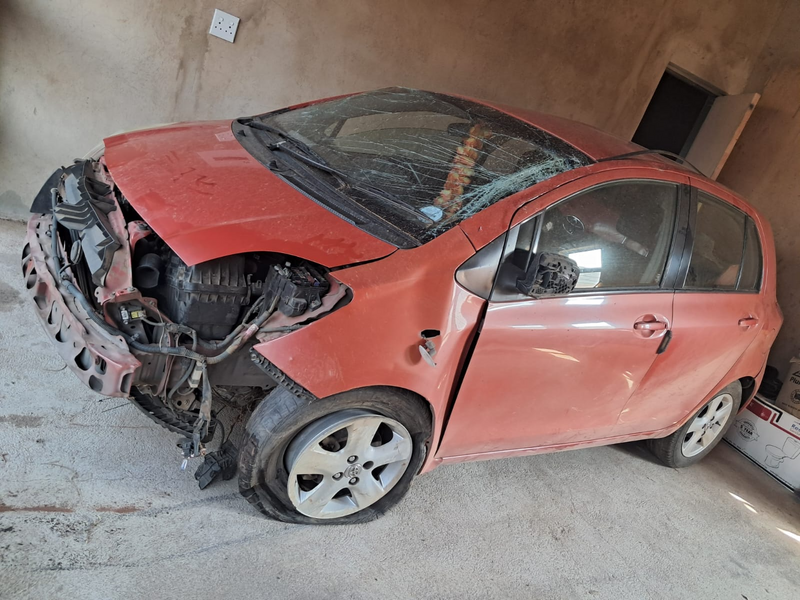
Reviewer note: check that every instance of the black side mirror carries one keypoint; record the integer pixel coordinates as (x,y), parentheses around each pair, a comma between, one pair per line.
(548,275)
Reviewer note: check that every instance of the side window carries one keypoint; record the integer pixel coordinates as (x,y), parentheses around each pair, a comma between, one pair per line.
(718,250)
(750,280)
(619,234)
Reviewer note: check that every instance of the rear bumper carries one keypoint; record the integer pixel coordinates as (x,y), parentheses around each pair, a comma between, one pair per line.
(100,360)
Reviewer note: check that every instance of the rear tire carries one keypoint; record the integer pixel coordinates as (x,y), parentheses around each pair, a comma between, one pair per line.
(268,452)
(700,434)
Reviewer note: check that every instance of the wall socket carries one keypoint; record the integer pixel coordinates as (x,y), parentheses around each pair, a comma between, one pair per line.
(224,25)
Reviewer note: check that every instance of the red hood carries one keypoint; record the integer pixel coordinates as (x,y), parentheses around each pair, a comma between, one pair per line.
(207,197)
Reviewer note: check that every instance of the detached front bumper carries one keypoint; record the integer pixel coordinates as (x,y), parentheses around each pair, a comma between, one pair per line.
(100,360)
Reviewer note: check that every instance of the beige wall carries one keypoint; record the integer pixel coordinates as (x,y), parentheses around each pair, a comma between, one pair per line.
(74,71)
(765,166)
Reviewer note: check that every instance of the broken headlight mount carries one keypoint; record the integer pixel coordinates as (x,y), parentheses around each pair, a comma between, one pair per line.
(297,288)
(294,288)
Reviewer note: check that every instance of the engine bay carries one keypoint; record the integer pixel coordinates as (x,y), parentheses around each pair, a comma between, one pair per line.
(190,326)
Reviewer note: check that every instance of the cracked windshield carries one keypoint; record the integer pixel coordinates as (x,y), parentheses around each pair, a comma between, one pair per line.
(421,161)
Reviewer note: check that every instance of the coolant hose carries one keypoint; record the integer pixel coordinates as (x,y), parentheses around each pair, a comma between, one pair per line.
(237,337)
(81,299)
(151,348)
(179,350)
(245,335)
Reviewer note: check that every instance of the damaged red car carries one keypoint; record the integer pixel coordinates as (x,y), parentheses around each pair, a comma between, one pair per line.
(400,279)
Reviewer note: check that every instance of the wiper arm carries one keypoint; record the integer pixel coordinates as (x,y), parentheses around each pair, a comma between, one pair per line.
(394,201)
(258,125)
(312,159)
(309,158)
(347,180)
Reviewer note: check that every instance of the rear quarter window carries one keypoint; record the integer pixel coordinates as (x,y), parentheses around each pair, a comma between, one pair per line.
(722,259)
(753,264)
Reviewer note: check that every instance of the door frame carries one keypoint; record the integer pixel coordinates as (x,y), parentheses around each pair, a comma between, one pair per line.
(681,225)
(533,209)
(723,198)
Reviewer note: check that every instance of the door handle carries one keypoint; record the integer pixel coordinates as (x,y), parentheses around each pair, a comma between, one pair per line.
(652,325)
(748,322)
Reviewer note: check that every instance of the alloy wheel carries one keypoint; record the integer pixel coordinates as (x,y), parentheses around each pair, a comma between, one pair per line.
(345,462)
(707,425)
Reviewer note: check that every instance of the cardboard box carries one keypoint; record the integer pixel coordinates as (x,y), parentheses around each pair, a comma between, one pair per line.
(770,437)
(789,397)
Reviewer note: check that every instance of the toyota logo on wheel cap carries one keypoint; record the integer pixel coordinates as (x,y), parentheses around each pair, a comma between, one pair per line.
(353,471)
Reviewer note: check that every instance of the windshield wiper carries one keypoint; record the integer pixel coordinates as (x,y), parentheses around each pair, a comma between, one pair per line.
(258,125)
(309,157)
(312,159)
(393,200)
(319,163)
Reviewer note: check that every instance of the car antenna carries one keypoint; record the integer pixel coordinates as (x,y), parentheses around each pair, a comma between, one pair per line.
(666,153)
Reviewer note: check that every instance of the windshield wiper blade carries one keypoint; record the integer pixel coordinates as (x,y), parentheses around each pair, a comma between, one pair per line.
(348,181)
(393,200)
(350,210)
(309,158)
(258,125)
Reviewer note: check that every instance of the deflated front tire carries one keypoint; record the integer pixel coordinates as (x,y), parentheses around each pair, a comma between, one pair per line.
(344,459)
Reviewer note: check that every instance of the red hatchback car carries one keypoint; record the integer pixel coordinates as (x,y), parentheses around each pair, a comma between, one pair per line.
(398,279)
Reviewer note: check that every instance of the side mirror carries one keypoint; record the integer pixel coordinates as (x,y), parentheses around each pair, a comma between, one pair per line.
(548,275)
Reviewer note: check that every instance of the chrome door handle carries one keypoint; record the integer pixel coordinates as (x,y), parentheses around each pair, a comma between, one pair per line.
(748,322)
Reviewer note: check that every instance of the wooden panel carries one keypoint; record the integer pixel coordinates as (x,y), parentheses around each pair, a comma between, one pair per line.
(720,131)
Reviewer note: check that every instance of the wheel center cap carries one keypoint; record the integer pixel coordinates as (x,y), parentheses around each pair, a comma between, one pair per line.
(353,471)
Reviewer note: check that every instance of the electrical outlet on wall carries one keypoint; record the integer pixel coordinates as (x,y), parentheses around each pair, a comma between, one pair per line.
(224,25)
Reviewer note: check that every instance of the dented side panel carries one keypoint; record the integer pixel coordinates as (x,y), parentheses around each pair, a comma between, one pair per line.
(375,339)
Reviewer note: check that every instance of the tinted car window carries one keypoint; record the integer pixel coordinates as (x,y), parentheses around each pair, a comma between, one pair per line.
(750,279)
(443,158)
(618,234)
(718,245)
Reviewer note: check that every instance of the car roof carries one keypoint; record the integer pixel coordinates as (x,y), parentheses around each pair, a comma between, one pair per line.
(601,146)
(596,144)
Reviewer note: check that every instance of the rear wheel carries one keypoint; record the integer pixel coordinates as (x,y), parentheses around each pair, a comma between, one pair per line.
(702,432)
(344,459)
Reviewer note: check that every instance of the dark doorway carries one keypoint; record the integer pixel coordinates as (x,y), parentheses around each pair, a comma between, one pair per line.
(674,115)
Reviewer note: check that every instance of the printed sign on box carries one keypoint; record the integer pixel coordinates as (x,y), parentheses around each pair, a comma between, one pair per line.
(770,436)
(789,396)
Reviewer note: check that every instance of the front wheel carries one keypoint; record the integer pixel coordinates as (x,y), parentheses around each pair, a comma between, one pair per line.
(702,432)
(345,459)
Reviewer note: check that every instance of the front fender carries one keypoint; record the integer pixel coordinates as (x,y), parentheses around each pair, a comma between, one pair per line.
(374,340)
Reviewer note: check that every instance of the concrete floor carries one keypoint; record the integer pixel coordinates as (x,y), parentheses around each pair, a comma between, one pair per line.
(92,505)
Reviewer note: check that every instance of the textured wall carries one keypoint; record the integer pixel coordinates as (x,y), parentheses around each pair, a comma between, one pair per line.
(765,166)
(73,71)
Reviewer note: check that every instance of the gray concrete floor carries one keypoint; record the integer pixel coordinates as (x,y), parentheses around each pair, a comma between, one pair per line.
(92,505)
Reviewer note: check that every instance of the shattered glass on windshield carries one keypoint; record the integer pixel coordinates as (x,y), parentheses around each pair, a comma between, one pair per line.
(422,161)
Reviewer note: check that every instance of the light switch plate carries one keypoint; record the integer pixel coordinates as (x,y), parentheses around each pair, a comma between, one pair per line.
(224,25)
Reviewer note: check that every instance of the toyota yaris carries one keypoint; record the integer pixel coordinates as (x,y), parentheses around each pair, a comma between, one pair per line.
(400,279)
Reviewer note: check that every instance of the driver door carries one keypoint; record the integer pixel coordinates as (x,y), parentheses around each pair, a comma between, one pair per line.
(558,370)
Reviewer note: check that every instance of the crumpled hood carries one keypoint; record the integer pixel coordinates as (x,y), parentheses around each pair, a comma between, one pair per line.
(206,197)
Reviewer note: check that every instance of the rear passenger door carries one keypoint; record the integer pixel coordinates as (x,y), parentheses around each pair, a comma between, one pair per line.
(716,315)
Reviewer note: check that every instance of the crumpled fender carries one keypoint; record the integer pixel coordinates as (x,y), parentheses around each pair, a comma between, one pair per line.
(374,340)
